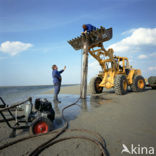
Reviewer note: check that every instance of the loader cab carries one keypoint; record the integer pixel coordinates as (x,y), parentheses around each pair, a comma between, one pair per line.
(123,65)
(108,65)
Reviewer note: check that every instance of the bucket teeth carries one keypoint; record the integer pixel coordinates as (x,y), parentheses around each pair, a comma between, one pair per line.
(93,38)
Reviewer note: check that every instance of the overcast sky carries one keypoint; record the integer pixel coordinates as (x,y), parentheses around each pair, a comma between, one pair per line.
(34,35)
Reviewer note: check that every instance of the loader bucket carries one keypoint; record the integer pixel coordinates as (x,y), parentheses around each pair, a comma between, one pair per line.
(93,38)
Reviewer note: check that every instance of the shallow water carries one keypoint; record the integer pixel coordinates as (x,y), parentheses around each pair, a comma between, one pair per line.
(12,95)
(83,105)
(20,93)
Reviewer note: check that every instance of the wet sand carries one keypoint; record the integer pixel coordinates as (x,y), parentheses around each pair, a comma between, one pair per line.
(128,119)
(75,89)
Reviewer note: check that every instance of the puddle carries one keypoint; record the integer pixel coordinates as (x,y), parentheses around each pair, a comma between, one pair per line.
(71,113)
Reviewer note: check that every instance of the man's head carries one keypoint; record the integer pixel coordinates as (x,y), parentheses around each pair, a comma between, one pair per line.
(54,67)
(84,27)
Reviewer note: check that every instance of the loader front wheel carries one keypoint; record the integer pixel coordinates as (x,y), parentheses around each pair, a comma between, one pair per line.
(94,85)
(120,85)
(138,84)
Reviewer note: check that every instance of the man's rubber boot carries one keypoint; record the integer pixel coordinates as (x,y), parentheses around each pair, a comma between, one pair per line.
(57,99)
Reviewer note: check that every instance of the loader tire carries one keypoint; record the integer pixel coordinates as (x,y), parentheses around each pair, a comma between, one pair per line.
(40,125)
(120,85)
(94,85)
(138,84)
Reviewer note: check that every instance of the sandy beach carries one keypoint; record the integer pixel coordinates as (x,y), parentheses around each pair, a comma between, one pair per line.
(128,119)
(75,89)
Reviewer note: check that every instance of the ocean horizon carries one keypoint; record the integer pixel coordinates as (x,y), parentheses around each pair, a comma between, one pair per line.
(36,85)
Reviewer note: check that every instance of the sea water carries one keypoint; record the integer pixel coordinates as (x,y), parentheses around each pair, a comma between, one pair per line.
(20,93)
(17,94)
(12,95)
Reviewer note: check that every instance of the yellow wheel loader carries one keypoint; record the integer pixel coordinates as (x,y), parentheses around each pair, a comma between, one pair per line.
(116,71)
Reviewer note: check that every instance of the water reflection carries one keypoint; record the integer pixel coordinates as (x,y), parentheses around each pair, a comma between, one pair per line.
(56,108)
(58,122)
(87,104)
(84,105)
(98,100)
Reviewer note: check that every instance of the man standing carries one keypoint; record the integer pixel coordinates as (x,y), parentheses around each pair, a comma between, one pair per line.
(57,81)
(88,28)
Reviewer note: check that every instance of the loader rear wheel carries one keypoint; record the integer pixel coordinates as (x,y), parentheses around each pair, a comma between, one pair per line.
(40,125)
(120,85)
(94,85)
(138,84)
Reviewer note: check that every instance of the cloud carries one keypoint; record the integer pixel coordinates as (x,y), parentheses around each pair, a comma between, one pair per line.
(93,68)
(153,68)
(94,65)
(153,54)
(128,32)
(142,56)
(136,41)
(15,47)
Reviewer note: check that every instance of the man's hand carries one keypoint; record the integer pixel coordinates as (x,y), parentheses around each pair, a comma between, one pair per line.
(64,67)
(85,32)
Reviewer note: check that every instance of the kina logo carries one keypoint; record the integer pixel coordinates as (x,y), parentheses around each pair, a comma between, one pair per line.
(138,150)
